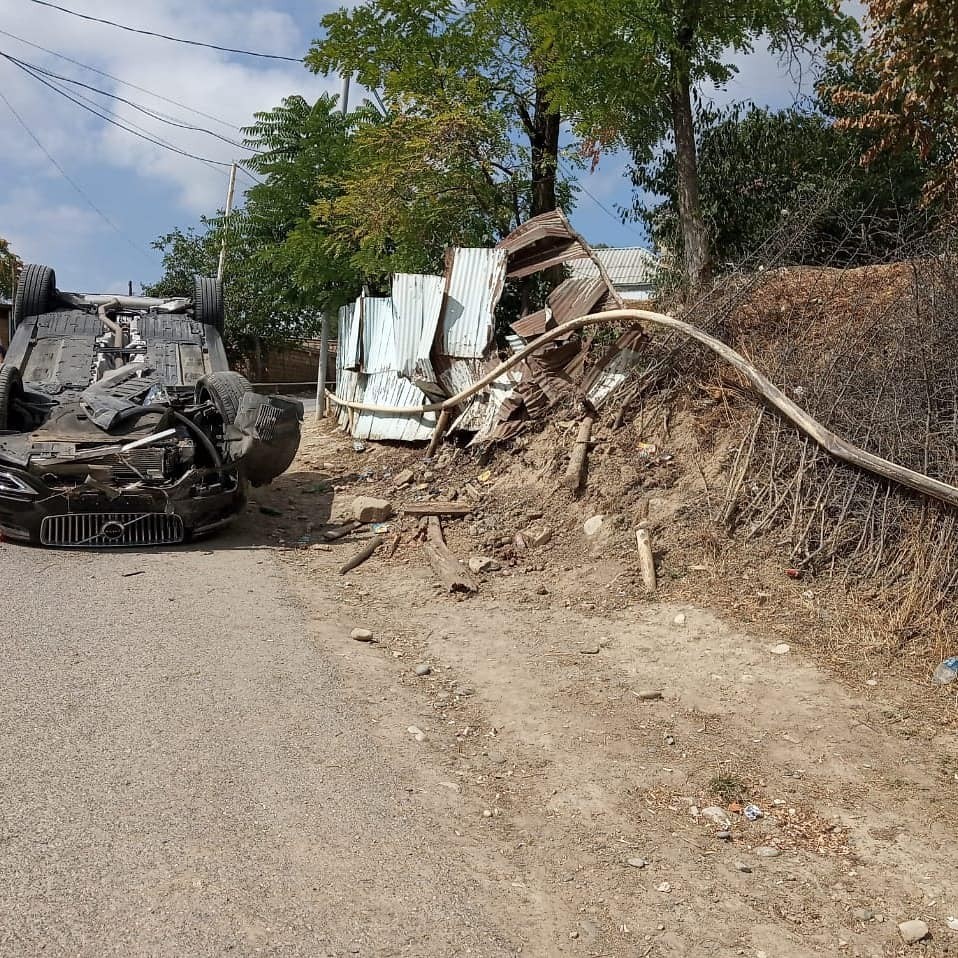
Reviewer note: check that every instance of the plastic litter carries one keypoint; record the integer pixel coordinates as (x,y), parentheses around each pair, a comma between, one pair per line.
(753,813)
(946,671)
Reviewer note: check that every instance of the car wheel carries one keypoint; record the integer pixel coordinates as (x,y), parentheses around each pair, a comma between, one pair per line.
(225,391)
(208,302)
(11,386)
(36,294)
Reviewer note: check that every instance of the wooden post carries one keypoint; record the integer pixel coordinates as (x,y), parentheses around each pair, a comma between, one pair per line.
(441,425)
(575,472)
(455,577)
(226,222)
(643,540)
(321,377)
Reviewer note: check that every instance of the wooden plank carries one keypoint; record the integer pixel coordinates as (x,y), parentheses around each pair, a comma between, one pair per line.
(455,577)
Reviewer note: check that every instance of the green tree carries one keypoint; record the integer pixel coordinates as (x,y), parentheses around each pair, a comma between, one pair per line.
(761,171)
(912,103)
(9,265)
(625,71)
(467,78)
(282,269)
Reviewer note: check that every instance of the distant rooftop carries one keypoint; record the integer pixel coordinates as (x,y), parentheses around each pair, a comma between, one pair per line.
(628,267)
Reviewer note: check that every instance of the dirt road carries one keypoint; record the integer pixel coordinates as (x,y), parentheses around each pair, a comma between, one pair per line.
(183,772)
(197,760)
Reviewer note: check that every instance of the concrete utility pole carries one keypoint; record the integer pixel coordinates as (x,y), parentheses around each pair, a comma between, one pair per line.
(229,209)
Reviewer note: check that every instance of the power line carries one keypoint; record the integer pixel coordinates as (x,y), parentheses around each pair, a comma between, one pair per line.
(76,186)
(570,172)
(164,36)
(115,79)
(103,116)
(153,114)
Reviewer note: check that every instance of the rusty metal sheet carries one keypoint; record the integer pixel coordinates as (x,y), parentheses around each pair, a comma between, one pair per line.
(474,282)
(545,240)
(573,298)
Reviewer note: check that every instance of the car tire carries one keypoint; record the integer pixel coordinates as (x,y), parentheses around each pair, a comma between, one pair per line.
(208,303)
(225,391)
(11,386)
(36,294)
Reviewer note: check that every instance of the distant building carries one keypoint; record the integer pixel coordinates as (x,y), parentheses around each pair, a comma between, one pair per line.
(631,269)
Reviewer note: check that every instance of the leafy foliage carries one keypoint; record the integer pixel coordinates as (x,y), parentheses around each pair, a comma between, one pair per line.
(282,270)
(792,170)
(912,52)
(9,264)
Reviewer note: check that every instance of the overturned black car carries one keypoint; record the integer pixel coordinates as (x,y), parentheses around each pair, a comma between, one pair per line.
(121,423)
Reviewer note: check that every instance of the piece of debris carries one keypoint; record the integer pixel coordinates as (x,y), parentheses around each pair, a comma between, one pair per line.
(320,547)
(454,576)
(359,446)
(463,690)
(591,650)
(753,813)
(361,635)
(360,557)
(912,931)
(664,887)
(534,537)
(270,511)
(404,478)
(129,575)
(575,474)
(648,695)
(725,835)
(946,672)
(781,649)
(952,923)
(863,914)
(679,619)
(742,867)
(417,733)
(366,509)
(340,531)
(637,862)
(471,491)
(423,669)
(483,564)
(437,508)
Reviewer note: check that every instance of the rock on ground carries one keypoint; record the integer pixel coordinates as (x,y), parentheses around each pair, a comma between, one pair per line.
(368,509)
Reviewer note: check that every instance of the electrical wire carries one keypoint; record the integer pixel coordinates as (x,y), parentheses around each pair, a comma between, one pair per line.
(69,179)
(153,114)
(164,36)
(570,173)
(116,79)
(103,116)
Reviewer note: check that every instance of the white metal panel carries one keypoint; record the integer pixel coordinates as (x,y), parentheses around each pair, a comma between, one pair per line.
(378,335)
(390,389)
(349,342)
(476,278)
(417,303)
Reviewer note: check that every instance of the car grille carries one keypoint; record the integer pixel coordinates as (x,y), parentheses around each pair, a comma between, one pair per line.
(100,530)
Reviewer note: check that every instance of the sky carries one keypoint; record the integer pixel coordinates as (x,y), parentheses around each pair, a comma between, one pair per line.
(93,211)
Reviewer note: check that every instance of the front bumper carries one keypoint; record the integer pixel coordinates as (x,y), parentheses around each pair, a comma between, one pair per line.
(198,504)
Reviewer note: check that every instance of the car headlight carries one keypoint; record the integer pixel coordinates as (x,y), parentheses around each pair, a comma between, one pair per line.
(11,483)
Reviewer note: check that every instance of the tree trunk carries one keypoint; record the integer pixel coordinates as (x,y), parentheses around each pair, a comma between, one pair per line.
(544,143)
(695,243)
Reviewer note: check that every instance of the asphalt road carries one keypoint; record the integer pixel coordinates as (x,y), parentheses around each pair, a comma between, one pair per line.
(183,773)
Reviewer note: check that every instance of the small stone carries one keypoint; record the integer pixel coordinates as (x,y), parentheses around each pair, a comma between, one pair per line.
(536,536)
(463,690)
(367,509)
(417,733)
(717,816)
(573,935)
(592,527)
(742,867)
(649,695)
(483,564)
(405,477)
(664,887)
(767,851)
(591,650)
(542,590)
(637,862)
(361,635)
(669,739)
(423,669)
(679,619)
(781,649)
(952,923)
(912,931)
(725,836)
(487,813)
(863,914)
